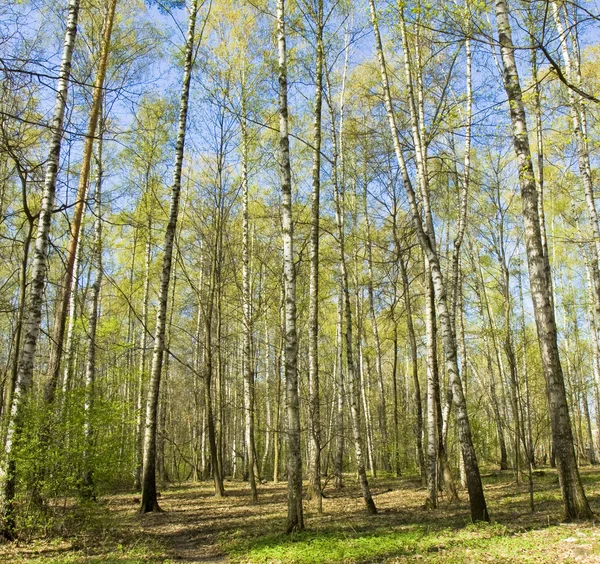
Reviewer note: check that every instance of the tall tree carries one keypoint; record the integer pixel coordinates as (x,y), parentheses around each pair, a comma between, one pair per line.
(295,519)
(149,500)
(575,503)
(33,319)
(426,235)
(88,487)
(80,202)
(313,314)
(352,371)
(248,358)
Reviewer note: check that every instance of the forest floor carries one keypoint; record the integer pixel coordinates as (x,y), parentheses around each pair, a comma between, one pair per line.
(197,527)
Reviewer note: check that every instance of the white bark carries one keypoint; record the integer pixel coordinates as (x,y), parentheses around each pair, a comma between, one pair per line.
(38,277)
(149,500)
(295,521)
(426,236)
(574,499)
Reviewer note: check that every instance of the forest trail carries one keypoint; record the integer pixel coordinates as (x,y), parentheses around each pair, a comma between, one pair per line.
(196,527)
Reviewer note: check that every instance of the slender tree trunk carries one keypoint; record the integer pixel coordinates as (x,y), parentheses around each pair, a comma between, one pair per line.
(595,351)
(378,355)
(247,307)
(38,280)
(70,343)
(295,520)
(426,236)
(209,366)
(279,371)
(579,123)
(574,500)
(268,405)
(364,387)
(314,443)
(22,307)
(75,224)
(351,367)
(149,499)
(432,429)
(87,488)
(340,395)
(412,340)
(139,424)
(485,312)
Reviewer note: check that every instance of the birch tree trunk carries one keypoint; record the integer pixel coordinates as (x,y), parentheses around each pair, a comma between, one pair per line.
(579,124)
(139,426)
(593,328)
(279,372)
(295,519)
(247,307)
(314,473)
(88,489)
(75,223)
(575,503)
(70,343)
(17,339)
(412,340)
(353,382)
(378,356)
(38,280)
(149,501)
(426,236)
(432,429)
(340,396)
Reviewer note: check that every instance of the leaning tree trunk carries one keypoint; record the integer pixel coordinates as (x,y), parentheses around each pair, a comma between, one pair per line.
(75,224)
(579,124)
(426,235)
(295,519)
(149,500)
(314,474)
(575,503)
(38,281)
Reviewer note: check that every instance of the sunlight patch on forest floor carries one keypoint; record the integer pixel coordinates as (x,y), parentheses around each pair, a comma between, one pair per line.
(197,527)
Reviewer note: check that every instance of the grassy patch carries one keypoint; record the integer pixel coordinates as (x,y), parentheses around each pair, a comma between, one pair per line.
(474,543)
(197,526)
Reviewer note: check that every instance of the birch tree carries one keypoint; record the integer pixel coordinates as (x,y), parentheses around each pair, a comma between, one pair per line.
(33,318)
(149,501)
(313,314)
(80,202)
(426,236)
(295,519)
(575,503)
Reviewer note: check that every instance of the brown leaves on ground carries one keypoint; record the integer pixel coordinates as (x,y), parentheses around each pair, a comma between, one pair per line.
(198,527)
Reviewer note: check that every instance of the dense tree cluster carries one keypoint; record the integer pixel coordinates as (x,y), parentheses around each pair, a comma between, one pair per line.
(272,240)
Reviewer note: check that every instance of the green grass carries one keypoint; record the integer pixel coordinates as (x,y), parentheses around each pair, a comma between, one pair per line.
(403,531)
(474,543)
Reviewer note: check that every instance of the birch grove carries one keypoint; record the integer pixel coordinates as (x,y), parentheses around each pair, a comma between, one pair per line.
(302,257)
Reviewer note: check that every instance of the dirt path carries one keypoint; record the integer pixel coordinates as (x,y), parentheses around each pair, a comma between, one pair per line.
(194,521)
(197,527)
